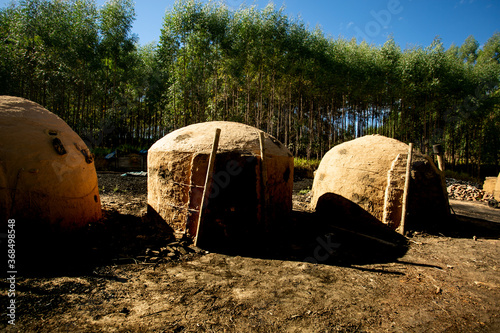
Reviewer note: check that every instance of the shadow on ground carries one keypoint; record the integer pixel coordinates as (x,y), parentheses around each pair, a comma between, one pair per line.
(460,226)
(326,237)
(330,236)
(338,233)
(116,239)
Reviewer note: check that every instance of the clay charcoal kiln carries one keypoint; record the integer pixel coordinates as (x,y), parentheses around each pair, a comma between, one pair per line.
(371,171)
(47,173)
(247,196)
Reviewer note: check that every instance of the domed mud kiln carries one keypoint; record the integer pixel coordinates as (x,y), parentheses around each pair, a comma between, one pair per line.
(247,194)
(47,174)
(371,171)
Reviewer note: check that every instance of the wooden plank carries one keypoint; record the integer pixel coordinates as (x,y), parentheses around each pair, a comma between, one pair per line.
(263,168)
(440,162)
(401,228)
(208,184)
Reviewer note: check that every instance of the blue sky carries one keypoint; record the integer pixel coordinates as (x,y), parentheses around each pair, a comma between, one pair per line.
(411,22)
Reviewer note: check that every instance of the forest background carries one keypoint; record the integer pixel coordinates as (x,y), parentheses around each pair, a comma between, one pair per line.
(258,67)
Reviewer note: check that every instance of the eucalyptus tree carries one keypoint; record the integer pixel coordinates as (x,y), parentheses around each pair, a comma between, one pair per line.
(468,50)
(260,67)
(386,111)
(116,47)
(10,52)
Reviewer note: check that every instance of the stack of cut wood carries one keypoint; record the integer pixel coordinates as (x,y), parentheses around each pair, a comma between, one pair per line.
(468,191)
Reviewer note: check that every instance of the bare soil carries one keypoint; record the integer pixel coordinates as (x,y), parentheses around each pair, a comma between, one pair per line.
(323,273)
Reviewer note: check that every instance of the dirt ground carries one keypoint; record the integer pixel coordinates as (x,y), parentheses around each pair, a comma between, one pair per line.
(323,273)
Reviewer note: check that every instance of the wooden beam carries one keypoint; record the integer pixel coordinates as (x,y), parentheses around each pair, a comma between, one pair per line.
(208,184)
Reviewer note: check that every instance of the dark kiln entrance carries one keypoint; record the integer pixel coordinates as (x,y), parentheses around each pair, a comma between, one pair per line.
(232,210)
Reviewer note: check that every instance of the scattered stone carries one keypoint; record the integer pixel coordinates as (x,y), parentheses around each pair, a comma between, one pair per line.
(173,250)
(197,249)
(493,203)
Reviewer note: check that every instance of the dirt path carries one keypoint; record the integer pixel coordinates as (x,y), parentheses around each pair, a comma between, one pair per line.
(444,281)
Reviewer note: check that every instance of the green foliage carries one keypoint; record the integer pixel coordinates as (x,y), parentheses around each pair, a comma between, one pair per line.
(312,92)
(259,67)
(129,149)
(304,191)
(117,189)
(79,61)
(312,164)
(122,150)
(304,168)
(101,152)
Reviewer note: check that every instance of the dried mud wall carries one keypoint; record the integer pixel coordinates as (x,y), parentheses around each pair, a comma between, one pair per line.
(177,166)
(47,173)
(489,184)
(393,199)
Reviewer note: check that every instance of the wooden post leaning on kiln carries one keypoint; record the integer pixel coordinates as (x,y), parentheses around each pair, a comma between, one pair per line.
(401,228)
(438,150)
(208,184)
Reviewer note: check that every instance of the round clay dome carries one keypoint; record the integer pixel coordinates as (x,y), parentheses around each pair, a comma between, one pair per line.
(244,196)
(370,171)
(47,174)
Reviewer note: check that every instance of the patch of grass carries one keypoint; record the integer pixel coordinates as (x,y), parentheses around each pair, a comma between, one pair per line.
(311,164)
(128,149)
(117,190)
(304,191)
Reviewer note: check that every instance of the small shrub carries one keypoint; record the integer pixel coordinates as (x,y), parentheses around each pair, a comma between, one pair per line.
(304,191)
(101,152)
(118,190)
(304,168)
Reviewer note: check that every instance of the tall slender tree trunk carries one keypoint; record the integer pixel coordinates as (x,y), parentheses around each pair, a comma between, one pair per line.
(310,132)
